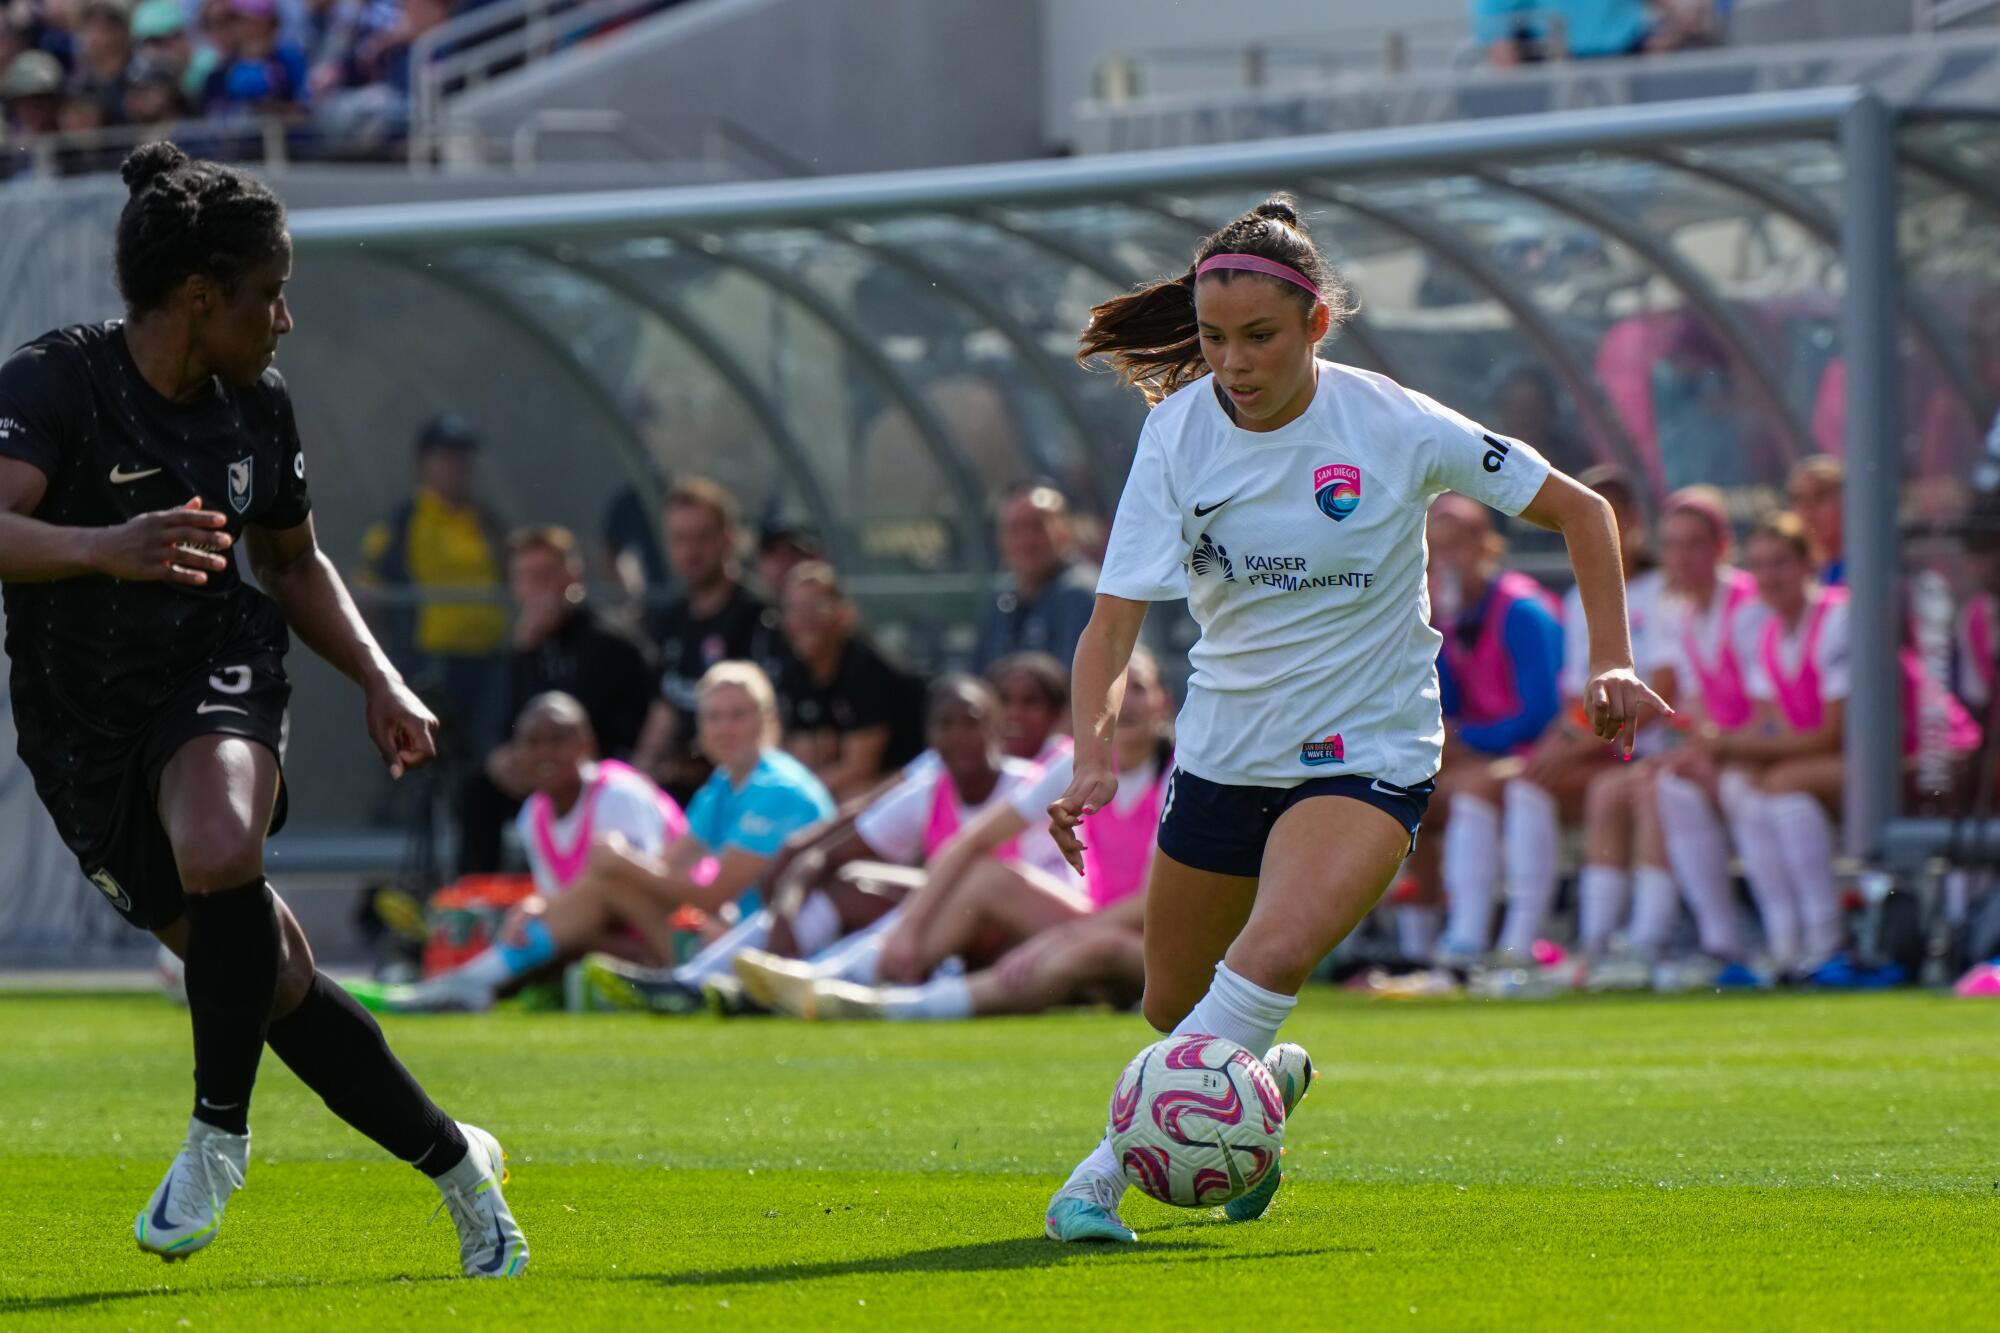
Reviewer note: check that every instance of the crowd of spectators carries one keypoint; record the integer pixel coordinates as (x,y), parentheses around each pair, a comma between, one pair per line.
(1521,32)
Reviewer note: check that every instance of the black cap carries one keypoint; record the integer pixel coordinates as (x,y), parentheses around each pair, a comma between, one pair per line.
(448,431)
(800,536)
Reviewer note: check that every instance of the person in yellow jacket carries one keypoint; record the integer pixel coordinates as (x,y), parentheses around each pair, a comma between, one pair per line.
(448,549)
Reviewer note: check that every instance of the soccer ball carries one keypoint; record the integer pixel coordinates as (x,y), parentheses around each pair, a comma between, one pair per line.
(1196,1121)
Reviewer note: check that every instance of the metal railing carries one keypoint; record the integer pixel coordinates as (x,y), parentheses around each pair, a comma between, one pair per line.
(471,49)
(1934,16)
(269,141)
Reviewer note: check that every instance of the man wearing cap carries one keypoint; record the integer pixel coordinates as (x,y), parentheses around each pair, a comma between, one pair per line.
(268,73)
(446,547)
(103,50)
(159,31)
(31,92)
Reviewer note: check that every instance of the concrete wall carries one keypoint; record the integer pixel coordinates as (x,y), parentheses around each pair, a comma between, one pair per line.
(839,85)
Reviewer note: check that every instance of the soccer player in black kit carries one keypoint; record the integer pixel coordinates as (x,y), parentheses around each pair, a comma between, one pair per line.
(149,683)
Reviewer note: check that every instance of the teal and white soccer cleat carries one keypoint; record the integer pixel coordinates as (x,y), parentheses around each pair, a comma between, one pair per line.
(1292,1069)
(1089,1213)
(185,1212)
(490,1243)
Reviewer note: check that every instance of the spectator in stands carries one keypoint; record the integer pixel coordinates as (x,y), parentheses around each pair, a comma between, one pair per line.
(1526,406)
(1052,594)
(444,546)
(103,51)
(850,716)
(1814,489)
(48,25)
(581,807)
(783,547)
(153,94)
(160,31)
(714,619)
(563,644)
(1497,675)
(1515,32)
(31,92)
(629,552)
(1700,438)
(266,75)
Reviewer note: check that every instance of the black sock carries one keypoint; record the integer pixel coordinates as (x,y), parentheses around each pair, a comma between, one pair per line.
(232,970)
(337,1049)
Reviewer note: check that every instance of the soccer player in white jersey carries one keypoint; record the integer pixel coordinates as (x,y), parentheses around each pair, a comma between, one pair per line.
(1284,497)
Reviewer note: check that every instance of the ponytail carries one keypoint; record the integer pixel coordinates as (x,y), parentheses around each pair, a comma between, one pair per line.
(1150,336)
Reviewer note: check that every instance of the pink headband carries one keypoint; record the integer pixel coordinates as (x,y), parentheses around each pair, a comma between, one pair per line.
(1270,268)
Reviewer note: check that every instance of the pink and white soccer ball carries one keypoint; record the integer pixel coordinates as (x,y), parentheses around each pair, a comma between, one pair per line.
(1196,1121)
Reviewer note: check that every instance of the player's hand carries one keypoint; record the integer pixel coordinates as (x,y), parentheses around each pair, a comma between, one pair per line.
(1088,790)
(1618,703)
(404,731)
(181,545)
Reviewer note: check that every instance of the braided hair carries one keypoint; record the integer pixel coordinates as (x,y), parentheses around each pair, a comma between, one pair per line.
(1150,335)
(186,217)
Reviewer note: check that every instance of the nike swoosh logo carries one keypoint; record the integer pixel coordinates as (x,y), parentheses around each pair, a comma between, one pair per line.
(205,707)
(1377,785)
(1203,511)
(499,1250)
(119,476)
(160,1218)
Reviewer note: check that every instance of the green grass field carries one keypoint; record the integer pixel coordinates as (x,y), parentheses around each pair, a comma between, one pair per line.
(1762,1162)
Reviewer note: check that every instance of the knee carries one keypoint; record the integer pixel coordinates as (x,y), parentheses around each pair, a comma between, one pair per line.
(218,856)
(1276,961)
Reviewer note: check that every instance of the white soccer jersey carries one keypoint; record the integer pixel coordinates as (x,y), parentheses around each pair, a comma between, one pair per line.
(1644,614)
(615,800)
(1301,553)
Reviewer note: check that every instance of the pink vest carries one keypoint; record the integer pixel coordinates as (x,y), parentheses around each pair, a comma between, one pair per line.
(1799,698)
(943,821)
(566,863)
(1724,696)
(1118,846)
(1484,674)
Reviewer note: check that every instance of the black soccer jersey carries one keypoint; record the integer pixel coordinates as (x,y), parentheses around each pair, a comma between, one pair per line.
(104,652)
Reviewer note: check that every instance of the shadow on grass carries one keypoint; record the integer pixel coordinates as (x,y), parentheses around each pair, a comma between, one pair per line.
(978,1257)
(76,1300)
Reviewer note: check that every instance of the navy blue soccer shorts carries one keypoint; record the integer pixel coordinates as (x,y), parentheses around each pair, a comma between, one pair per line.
(1222,828)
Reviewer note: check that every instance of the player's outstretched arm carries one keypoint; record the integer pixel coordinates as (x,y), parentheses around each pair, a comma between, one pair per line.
(1097,690)
(158,547)
(1616,700)
(297,575)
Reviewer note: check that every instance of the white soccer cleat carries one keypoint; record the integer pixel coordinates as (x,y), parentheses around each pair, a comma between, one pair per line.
(185,1212)
(490,1243)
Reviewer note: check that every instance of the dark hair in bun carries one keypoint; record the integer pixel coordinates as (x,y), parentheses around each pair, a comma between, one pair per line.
(1150,335)
(186,217)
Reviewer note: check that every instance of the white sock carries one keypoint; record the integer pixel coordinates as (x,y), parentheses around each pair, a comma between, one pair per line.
(750,933)
(816,925)
(1699,854)
(1239,1010)
(1656,910)
(1756,837)
(1416,931)
(1530,832)
(1805,838)
(854,958)
(1956,891)
(488,968)
(1600,906)
(1471,871)
(1098,1169)
(940,997)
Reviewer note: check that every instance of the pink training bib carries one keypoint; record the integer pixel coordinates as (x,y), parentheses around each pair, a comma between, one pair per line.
(1725,696)
(1118,846)
(566,863)
(1484,673)
(1799,698)
(943,820)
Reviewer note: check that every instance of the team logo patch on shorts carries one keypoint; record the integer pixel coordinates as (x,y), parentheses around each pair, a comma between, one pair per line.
(112,889)
(1328,751)
(1337,490)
